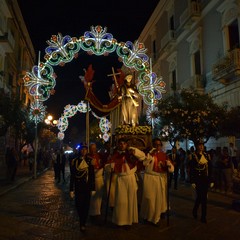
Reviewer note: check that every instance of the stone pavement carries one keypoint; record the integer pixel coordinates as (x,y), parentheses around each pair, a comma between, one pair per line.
(23,175)
(41,209)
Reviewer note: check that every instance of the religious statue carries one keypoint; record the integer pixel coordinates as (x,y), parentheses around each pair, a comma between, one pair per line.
(129,98)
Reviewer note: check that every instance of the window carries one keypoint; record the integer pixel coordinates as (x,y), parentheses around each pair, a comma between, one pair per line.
(10,80)
(171,22)
(197,63)
(174,80)
(233,35)
(154,49)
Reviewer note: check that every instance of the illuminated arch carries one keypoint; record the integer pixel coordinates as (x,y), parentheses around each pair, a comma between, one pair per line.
(63,49)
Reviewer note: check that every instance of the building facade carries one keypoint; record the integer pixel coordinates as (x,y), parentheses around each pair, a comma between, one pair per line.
(16,57)
(195,43)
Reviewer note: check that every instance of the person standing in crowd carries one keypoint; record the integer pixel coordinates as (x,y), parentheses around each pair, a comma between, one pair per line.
(216,163)
(12,164)
(182,166)
(174,157)
(31,161)
(226,167)
(61,162)
(201,179)
(82,183)
(233,155)
(96,198)
(124,163)
(55,164)
(154,200)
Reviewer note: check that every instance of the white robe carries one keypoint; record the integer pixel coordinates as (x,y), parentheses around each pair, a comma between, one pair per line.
(126,210)
(96,197)
(107,174)
(154,199)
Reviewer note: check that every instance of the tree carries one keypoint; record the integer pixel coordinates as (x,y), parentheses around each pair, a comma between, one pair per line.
(14,114)
(190,115)
(231,125)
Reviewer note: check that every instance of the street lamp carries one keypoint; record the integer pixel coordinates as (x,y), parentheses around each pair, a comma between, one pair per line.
(50,121)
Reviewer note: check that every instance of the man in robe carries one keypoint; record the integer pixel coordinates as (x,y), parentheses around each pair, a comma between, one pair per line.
(124,164)
(154,200)
(96,198)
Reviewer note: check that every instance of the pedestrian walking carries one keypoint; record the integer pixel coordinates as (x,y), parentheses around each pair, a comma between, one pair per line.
(200,179)
(82,183)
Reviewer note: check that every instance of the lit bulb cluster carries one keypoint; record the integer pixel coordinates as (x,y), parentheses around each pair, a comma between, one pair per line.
(37,112)
(152,115)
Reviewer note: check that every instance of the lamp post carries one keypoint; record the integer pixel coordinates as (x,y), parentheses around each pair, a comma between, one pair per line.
(51,123)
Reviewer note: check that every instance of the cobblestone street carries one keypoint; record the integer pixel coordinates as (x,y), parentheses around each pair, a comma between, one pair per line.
(41,209)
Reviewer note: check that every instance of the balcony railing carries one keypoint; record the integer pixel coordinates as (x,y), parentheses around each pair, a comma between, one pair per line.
(191,14)
(168,38)
(227,67)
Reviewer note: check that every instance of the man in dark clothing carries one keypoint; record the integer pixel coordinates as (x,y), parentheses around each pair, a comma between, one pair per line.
(175,158)
(201,179)
(61,162)
(82,182)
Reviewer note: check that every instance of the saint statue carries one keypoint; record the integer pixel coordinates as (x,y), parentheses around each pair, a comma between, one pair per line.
(129,98)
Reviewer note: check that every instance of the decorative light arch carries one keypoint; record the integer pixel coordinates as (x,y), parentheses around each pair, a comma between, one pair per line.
(82,107)
(63,49)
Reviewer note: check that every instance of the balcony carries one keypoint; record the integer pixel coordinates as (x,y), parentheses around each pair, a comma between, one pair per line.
(8,42)
(195,82)
(168,40)
(227,68)
(191,14)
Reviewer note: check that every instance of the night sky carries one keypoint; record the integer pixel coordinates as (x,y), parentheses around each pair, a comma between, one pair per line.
(124,19)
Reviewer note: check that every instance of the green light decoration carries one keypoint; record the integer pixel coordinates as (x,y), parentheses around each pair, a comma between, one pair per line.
(98,41)
(37,112)
(61,49)
(105,126)
(40,82)
(133,55)
(151,87)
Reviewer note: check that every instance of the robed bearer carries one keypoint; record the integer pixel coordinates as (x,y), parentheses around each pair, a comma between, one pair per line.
(124,164)
(155,200)
(96,198)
